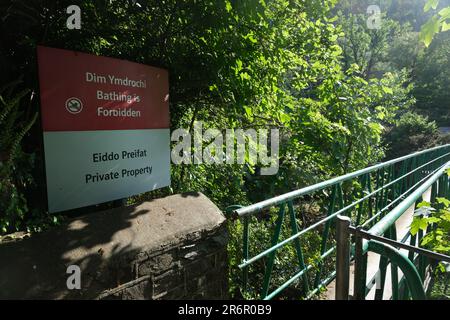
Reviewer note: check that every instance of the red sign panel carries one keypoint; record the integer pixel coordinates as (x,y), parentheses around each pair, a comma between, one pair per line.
(83,92)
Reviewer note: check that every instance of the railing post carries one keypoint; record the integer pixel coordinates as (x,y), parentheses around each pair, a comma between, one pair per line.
(359,284)
(342,257)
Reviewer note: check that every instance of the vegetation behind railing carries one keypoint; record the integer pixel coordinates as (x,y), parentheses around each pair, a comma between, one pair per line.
(284,247)
(426,226)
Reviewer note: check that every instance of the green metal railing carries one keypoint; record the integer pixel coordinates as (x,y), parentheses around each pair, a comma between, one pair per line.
(306,245)
(382,239)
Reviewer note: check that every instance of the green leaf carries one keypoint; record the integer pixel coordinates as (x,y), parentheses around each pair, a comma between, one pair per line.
(445,26)
(423,224)
(441,268)
(285,118)
(433,220)
(445,13)
(423,204)
(446,216)
(238,67)
(248,111)
(428,31)
(427,240)
(443,201)
(388,90)
(376,127)
(431,4)
(244,76)
(228,6)
(418,224)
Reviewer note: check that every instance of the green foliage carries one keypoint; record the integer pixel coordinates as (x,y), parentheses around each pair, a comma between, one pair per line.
(440,285)
(412,132)
(432,74)
(438,23)
(347,125)
(436,222)
(395,47)
(286,260)
(368,48)
(329,84)
(232,64)
(13,179)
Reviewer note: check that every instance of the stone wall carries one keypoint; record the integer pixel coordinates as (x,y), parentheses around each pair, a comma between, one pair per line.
(170,248)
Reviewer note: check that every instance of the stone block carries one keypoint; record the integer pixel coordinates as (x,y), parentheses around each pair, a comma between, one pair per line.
(168,241)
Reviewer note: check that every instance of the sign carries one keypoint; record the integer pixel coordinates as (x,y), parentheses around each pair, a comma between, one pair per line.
(106,128)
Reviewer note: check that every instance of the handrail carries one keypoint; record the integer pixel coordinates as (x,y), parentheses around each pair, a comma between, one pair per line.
(387,221)
(398,244)
(313,226)
(405,265)
(322,185)
(379,188)
(373,241)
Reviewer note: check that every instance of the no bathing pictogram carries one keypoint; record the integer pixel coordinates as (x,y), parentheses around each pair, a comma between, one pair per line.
(74,105)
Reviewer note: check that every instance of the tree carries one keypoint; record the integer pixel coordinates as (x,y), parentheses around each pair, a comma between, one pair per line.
(368,48)
(411,133)
(438,23)
(232,64)
(432,74)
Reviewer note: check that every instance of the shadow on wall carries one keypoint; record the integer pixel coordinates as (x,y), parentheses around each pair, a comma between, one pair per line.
(173,247)
(36,267)
(104,246)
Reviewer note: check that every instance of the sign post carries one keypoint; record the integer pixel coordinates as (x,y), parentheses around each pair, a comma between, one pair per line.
(106,128)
